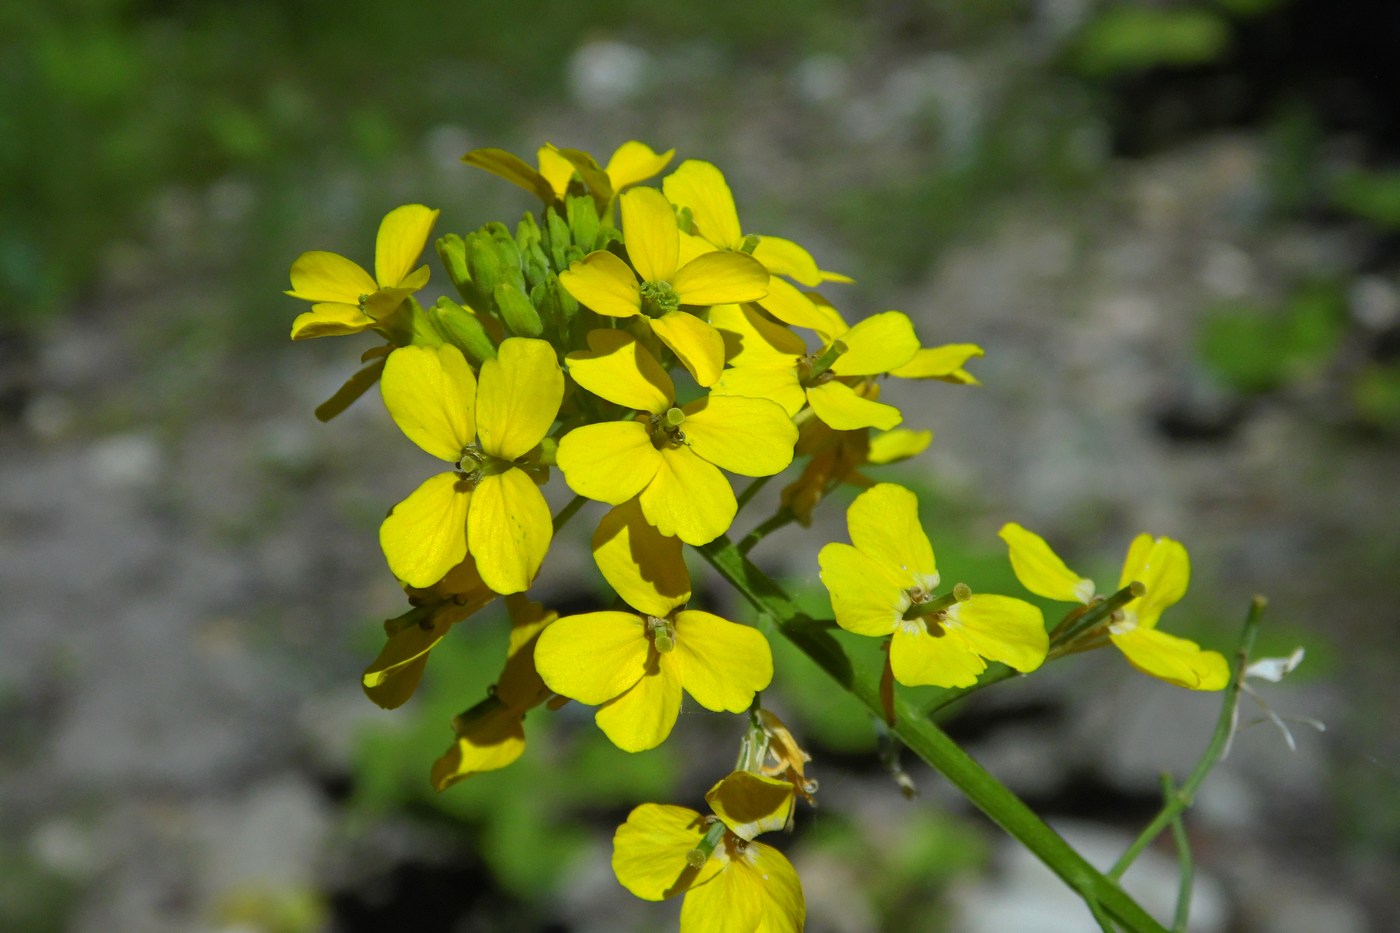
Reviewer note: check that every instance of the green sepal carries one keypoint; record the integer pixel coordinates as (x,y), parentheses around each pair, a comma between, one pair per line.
(517,312)
(460,327)
(560,238)
(685,220)
(583,220)
(353,388)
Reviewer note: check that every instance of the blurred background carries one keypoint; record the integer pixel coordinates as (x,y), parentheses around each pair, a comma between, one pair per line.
(1172,225)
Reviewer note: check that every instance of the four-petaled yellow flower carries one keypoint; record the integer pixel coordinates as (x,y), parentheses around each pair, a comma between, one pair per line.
(633,665)
(631,163)
(1159,564)
(731,883)
(604,283)
(671,456)
(701,188)
(489,503)
(769,361)
(879,581)
(346,299)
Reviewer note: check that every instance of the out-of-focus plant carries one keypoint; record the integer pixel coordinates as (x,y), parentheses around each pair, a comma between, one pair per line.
(638,341)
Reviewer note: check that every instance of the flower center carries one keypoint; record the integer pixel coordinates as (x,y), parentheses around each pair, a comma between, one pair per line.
(659,298)
(666,429)
(662,633)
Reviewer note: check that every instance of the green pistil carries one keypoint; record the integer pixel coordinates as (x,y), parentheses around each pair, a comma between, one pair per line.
(698,856)
(663,635)
(666,429)
(961,594)
(811,370)
(659,298)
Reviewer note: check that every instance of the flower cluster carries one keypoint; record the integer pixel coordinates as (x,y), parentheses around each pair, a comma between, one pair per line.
(638,342)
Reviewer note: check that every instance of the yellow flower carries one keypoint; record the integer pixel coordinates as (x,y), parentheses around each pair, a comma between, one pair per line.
(878,584)
(488,502)
(393,676)
(491,734)
(738,885)
(670,456)
(1159,564)
(700,187)
(633,666)
(633,162)
(346,299)
(770,361)
(604,283)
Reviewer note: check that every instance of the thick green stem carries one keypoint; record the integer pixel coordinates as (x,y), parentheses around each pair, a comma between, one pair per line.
(1182,797)
(931,743)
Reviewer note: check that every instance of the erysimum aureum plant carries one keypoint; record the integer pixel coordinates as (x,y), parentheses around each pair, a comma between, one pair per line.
(560,353)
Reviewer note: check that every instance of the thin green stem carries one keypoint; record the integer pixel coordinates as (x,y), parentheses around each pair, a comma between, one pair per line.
(1185,866)
(751,490)
(1104,921)
(568,512)
(779,519)
(928,741)
(1079,624)
(996,673)
(1182,797)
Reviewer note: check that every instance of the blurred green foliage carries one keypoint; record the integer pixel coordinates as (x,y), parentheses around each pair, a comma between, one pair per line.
(1255,348)
(1125,38)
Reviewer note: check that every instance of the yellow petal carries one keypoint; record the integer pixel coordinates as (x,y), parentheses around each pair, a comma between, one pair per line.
(402,235)
(644,716)
(842,408)
(920,658)
(518,397)
(322,276)
(867,597)
(1175,660)
(1003,629)
(944,362)
(426,534)
(610,462)
(330,319)
(1161,565)
(687,497)
(520,685)
(618,368)
(431,394)
(645,567)
(877,344)
(722,664)
(776,383)
(509,530)
(702,188)
(602,282)
(784,257)
(884,525)
(784,910)
(748,436)
(653,238)
(492,741)
(750,804)
(1041,570)
(396,686)
(593,657)
(556,170)
(720,278)
(751,339)
(696,344)
(634,162)
(649,851)
(791,306)
(758,891)
(901,444)
(513,169)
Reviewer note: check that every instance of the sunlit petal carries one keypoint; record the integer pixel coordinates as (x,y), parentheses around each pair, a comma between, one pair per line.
(426,534)
(518,398)
(653,238)
(402,235)
(593,657)
(702,188)
(722,664)
(509,530)
(645,567)
(748,436)
(1041,570)
(603,283)
(610,462)
(688,497)
(431,395)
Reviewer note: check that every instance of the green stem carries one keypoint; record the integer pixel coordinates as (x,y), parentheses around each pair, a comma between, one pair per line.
(996,673)
(1185,866)
(751,490)
(1095,614)
(1182,797)
(568,512)
(779,519)
(930,743)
